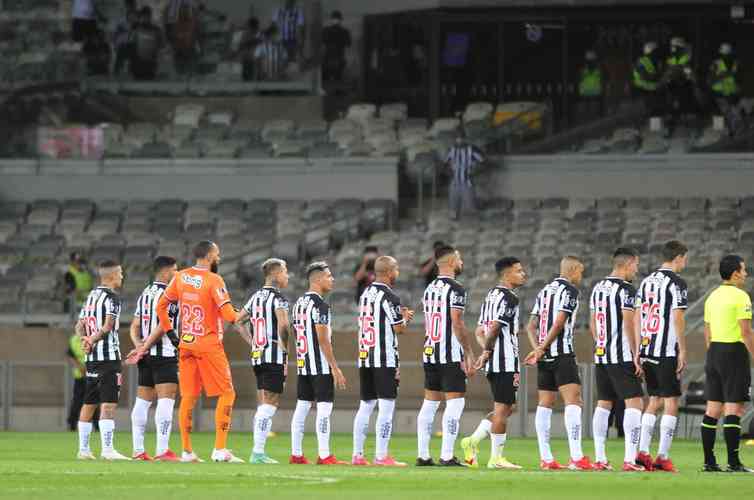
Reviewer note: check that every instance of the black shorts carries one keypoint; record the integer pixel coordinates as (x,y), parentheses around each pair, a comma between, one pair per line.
(158,370)
(728,373)
(661,378)
(444,378)
(616,382)
(270,377)
(557,372)
(378,383)
(83,29)
(102,382)
(503,387)
(319,388)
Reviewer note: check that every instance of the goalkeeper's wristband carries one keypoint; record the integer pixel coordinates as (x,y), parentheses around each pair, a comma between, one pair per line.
(173,337)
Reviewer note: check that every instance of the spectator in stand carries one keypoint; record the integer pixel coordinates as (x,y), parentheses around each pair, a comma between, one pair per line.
(290,21)
(364,274)
(96,50)
(182,31)
(428,268)
(271,56)
(147,42)
(335,39)
(78,280)
(77,359)
(85,15)
(250,40)
(122,36)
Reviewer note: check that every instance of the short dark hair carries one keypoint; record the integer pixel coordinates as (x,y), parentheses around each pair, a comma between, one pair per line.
(145,11)
(371,249)
(443,250)
(107,263)
(336,14)
(161,262)
(506,262)
(673,249)
(622,255)
(316,267)
(729,265)
(202,249)
(253,23)
(437,244)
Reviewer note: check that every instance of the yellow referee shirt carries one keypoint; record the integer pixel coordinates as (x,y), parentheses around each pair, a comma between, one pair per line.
(723,309)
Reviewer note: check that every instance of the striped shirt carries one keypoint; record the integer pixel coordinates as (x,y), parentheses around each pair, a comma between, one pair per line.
(440,345)
(502,306)
(610,298)
(101,303)
(379,312)
(659,295)
(289,21)
(560,295)
(462,160)
(273,59)
(146,313)
(261,308)
(308,311)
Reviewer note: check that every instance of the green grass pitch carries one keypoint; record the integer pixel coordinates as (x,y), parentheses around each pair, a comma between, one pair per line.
(42,465)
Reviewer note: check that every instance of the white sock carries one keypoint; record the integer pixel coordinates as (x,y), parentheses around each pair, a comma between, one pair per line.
(324,410)
(632,429)
(498,445)
(107,434)
(361,425)
(163,421)
(139,416)
(647,429)
(542,422)
(424,423)
(384,427)
(85,430)
(600,426)
(451,423)
(297,427)
(667,429)
(482,431)
(262,425)
(573,429)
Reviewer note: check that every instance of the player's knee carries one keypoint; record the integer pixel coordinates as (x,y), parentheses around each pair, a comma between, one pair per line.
(107,410)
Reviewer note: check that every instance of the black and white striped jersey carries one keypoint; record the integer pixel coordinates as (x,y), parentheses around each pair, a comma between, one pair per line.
(379,312)
(146,313)
(440,345)
(273,59)
(308,311)
(610,298)
(101,303)
(462,160)
(266,345)
(289,20)
(502,306)
(558,296)
(659,295)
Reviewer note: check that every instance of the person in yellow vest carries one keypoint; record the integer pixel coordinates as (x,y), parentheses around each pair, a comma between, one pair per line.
(590,86)
(647,79)
(724,87)
(76,358)
(78,279)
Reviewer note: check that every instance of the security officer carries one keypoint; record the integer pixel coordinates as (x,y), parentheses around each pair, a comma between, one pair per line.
(724,87)
(682,91)
(646,78)
(590,85)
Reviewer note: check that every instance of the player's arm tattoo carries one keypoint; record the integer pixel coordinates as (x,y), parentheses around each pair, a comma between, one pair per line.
(531,330)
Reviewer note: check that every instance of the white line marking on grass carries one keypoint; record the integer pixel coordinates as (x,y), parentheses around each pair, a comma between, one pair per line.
(255,474)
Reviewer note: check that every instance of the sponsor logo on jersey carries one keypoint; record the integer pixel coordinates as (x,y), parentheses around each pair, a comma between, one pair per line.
(195,281)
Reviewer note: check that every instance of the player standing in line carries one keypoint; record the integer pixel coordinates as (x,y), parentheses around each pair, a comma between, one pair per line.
(497,330)
(448,358)
(381,320)
(158,365)
(616,355)
(267,310)
(550,332)
(662,301)
(318,371)
(204,304)
(98,325)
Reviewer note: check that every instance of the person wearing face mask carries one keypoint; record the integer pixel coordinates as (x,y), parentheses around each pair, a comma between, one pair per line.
(462,160)
(646,78)
(335,40)
(724,87)
(680,82)
(590,85)
(271,56)
(147,41)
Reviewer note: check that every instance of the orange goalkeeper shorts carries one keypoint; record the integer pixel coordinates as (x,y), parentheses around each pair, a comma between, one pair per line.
(208,370)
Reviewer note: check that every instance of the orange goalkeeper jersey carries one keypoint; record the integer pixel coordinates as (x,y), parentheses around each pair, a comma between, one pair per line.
(204,305)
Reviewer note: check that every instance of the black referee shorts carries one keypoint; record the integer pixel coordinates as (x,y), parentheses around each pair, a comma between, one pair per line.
(503,387)
(319,388)
(661,378)
(103,381)
(156,370)
(444,378)
(378,383)
(557,372)
(616,382)
(270,377)
(728,373)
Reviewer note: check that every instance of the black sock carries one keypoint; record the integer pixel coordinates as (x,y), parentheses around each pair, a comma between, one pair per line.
(732,432)
(709,429)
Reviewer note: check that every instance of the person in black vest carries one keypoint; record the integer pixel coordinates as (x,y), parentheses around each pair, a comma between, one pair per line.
(335,39)
(147,42)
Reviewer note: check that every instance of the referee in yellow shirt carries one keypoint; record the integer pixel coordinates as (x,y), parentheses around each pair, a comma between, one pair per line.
(728,335)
